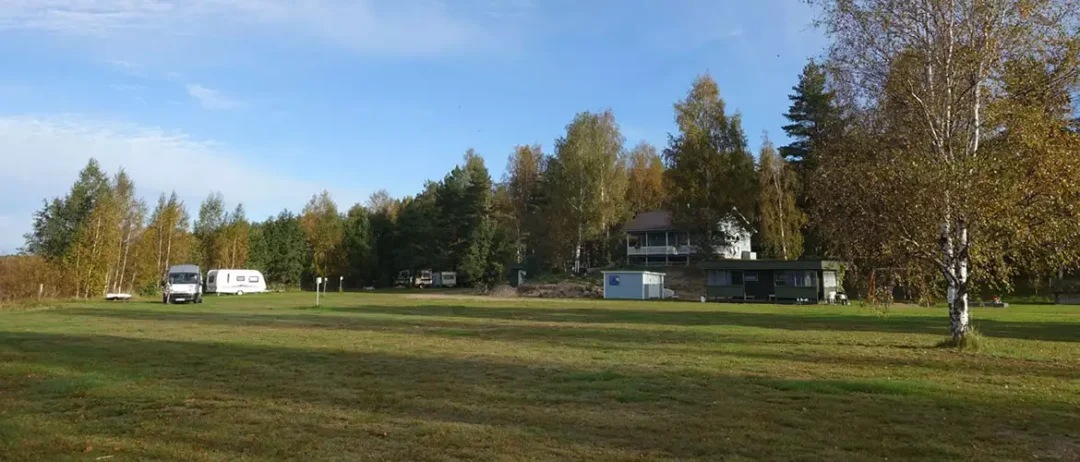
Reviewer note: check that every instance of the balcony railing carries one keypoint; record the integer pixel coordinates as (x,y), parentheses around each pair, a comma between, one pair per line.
(658,250)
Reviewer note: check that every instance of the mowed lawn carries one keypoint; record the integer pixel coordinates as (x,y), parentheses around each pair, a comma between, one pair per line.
(406,377)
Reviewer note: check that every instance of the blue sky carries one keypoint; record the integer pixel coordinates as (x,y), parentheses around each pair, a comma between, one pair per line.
(270,101)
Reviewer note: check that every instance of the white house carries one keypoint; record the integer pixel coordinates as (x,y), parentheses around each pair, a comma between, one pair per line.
(652,240)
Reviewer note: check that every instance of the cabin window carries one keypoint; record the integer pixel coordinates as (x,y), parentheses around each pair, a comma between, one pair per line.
(211,278)
(750,276)
(239,279)
(796,278)
(253,279)
(634,240)
(722,278)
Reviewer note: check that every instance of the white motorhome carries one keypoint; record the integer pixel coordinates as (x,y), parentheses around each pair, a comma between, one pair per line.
(182,283)
(235,281)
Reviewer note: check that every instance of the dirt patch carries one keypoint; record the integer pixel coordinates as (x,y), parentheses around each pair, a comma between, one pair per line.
(561,290)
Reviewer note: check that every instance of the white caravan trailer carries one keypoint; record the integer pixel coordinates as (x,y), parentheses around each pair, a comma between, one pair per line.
(235,281)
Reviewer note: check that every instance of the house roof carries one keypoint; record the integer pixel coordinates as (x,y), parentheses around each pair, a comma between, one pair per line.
(660,220)
(656,220)
(783,265)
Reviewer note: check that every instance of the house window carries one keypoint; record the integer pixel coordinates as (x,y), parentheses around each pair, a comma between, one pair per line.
(680,239)
(657,239)
(781,278)
(239,279)
(253,279)
(634,240)
(750,276)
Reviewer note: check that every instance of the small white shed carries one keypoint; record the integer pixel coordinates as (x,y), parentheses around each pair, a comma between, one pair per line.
(633,285)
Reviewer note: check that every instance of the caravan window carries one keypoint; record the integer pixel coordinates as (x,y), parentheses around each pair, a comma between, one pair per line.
(211,278)
(239,279)
(253,279)
(750,277)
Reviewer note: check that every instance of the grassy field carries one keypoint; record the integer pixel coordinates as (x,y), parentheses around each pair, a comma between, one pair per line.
(406,377)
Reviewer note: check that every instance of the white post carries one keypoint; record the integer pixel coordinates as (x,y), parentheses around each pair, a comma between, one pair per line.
(40,290)
(340,283)
(318,282)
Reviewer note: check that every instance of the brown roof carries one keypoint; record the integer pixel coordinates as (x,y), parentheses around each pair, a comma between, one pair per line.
(657,220)
(660,220)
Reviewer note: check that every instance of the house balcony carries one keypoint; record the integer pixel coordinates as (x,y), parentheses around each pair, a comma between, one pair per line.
(659,251)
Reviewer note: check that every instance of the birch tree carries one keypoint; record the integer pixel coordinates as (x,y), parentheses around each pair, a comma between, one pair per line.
(710,176)
(953,172)
(325,231)
(588,180)
(524,183)
(645,190)
(781,219)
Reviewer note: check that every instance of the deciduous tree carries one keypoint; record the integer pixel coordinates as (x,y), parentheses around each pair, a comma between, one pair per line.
(587,181)
(781,219)
(958,171)
(645,191)
(710,177)
(325,231)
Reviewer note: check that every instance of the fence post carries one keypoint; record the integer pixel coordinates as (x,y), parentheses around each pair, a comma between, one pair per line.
(40,290)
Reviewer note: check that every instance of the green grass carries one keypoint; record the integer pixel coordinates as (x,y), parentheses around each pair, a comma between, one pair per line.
(420,377)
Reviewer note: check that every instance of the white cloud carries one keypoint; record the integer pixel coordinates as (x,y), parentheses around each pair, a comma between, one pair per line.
(40,157)
(369,26)
(211,99)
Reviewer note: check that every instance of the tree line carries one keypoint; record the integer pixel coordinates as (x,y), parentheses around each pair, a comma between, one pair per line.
(936,139)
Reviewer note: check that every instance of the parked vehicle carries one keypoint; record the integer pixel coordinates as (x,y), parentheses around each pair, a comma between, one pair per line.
(183,283)
(423,279)
(235,281)
(444,279)
(403,279)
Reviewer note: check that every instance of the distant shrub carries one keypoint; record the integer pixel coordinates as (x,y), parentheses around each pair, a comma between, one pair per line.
(20,276)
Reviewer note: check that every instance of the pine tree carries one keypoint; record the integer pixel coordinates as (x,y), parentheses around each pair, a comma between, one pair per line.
(56,224)
(288,250)
(359,247)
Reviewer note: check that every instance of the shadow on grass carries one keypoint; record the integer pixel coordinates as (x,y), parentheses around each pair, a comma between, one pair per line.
(652,341)
(210,395)
(937,325)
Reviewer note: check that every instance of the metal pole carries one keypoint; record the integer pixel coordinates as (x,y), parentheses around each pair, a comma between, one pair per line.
(318,282)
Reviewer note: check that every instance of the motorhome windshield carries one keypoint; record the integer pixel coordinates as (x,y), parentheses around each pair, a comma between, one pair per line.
(183,278)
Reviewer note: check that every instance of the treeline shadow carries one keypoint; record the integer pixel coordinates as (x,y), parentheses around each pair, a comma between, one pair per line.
(938,325)
(619,410)
(1023,330)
